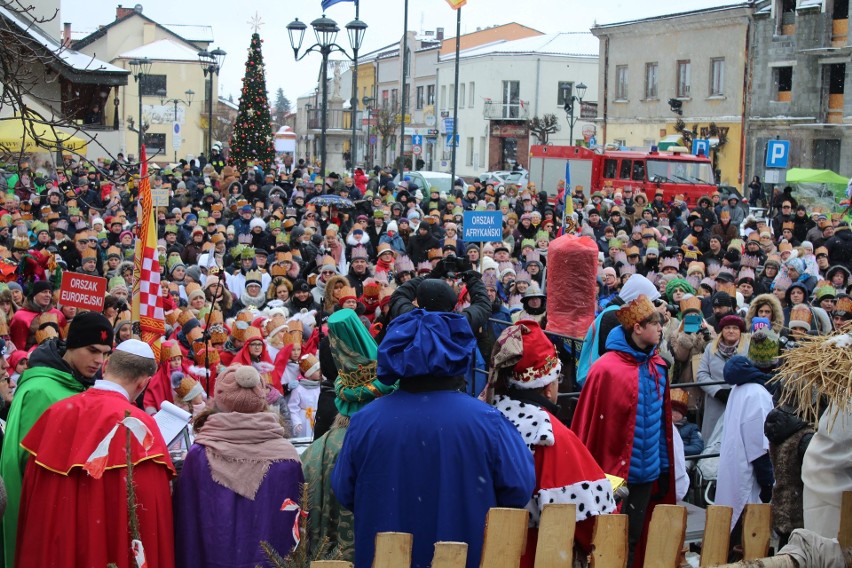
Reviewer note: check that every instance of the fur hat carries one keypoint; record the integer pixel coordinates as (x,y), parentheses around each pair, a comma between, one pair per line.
(239,389)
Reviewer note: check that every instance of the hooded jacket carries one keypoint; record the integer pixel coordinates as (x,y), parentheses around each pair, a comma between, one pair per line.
(49,379)
(777,319)
(840,248)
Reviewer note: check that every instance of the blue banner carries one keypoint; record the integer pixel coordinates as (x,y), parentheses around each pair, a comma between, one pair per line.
(482,226)
(326,4)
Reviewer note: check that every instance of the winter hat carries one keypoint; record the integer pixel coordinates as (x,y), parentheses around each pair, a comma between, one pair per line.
(678,284)
(392,227)
(538,366)
(421,343)
(354,352)
(732,319)
(239,389)
(89,328)
(39,287)
(435,295)
(796,264)
(763,348)
(638,285)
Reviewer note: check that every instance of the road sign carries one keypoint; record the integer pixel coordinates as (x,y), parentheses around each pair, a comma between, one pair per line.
(432,132)
(82,291)
(445,113)
(701,146)
(373,139)
(482,226)
(176,137)
(417,149)
(449,142)
(417,140)
(777,153)
(160,196)
(449,125)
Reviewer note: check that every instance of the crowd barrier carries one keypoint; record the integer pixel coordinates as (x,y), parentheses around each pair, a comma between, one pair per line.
(506,534)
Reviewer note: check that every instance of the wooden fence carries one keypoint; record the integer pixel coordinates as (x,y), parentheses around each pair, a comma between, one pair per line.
(506,534)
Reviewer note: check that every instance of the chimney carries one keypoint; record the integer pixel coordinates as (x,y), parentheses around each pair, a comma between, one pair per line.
(66,34)
(121,12)
(439,33)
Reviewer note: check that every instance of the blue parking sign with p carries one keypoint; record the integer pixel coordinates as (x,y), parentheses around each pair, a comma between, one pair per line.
(777,153)
(701,147)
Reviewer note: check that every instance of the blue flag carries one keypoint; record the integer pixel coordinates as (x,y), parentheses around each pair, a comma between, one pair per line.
(326,4)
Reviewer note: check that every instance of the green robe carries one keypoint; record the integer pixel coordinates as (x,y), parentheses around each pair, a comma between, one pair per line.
(326,518)
(38,388)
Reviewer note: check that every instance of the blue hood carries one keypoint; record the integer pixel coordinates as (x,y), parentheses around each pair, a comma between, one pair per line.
(616,341)
(739,370)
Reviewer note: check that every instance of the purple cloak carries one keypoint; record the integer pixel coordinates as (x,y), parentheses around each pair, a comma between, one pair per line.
(217,528)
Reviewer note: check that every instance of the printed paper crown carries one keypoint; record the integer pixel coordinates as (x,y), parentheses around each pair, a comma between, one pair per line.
(694,267)
(670,263)
(693,303)
(800,316)
(308,365)
(746,273)
(843,306)
(252,334)
(359,252)
(208,353)
(728,287)
(634,312)
(253,277)
(294,332)
(680,397)
(169,350)
(185,316)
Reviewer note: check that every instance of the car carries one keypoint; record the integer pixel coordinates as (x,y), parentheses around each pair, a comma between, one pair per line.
(426,180)
(498,176)
(519,178)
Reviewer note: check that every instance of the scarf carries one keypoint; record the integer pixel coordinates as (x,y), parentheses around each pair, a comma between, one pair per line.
(728,351)
(241,447)
(255,301)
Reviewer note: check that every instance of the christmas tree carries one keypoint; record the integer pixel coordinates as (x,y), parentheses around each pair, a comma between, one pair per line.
(251,140)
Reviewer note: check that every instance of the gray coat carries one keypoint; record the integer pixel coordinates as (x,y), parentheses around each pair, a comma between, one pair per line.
(710,370)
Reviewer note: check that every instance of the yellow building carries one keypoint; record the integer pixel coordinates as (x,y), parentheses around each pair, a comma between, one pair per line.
(175,70)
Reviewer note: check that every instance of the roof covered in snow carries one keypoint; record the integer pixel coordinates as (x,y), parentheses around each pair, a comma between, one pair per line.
(162,50)
(192,33)
(577,44)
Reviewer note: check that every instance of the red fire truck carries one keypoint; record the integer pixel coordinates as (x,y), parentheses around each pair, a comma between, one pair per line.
(675,172)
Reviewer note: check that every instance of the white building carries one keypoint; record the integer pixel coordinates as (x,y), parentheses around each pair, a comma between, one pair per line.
(502,86)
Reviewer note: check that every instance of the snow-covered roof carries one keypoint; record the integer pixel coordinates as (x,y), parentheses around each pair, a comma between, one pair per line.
(162,50)
(192,33)
(74,59)
(580,44)
(229,104)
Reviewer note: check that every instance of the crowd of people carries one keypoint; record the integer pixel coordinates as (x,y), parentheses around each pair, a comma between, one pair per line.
(347,314)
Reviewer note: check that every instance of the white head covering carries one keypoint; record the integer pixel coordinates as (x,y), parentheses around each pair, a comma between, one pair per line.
(136,347)
(637,285)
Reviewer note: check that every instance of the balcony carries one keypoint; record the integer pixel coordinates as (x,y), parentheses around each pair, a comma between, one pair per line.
(506,111)
(338,119)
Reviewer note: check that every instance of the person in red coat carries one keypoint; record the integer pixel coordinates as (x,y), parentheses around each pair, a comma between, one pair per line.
(526,385)
(74,502)
(24,323)
(624,417)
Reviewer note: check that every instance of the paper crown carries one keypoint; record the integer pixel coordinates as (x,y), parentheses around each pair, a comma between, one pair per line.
(695,267)
(294,333)
(669,263)
(690,304)
(245,315)
(252,334)
(184,316)
(680,400)
(404,264)
(169,350)
(728,287)
(635,312)
(254,277)
(359,252)
(206,353)
(800,316)
(843,306)
(238,331)
(218,334)
(539,365)
(308,365)
(278,270)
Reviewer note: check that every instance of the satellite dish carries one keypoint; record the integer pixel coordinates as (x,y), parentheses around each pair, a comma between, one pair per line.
(138,8)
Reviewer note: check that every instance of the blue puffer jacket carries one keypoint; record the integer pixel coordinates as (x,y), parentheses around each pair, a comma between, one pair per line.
(650,454)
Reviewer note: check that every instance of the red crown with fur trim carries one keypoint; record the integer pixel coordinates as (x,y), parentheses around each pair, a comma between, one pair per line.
(539,366)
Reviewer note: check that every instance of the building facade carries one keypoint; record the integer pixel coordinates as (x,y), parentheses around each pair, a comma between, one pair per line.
(800,73)
(695,62)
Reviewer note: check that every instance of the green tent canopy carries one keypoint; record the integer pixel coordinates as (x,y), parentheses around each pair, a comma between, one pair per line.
(804,175)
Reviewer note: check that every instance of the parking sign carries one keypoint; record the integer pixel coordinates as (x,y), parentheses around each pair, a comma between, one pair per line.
(777,153)
(701,146)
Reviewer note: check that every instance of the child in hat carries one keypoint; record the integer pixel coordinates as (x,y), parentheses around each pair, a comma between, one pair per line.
(305,397)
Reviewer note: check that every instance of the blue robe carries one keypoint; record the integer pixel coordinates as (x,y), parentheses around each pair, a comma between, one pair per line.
(430,464)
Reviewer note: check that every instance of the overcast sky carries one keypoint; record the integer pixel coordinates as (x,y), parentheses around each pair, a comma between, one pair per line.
(232,30)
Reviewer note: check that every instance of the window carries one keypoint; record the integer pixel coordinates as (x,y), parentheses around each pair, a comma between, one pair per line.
(624,170)
(443,96)
(469,151)
(385,94)
(151,84)
(481,149)
(610,168)
(565,90)
(638,170)
(651,80)
(621,82)
(430,94)
(471,89)
(717,76)
(511,99)
(394,98)
(826,154)
(684,78)
(461,95)
(419,93)
(784,84)
(155,143)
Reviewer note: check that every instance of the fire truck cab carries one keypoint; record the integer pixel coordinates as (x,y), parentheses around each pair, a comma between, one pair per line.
(674,172)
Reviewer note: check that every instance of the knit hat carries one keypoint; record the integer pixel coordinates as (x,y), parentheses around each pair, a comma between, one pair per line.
(354,352)
(40,286)
(763,348)
(239,389)
(635,312)
(732,319)
(89,328)
(426,344)
(539,366)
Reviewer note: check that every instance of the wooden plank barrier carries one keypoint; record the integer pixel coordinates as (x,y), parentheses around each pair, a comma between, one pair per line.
(844,536)
(665,536)
(757,529)
(717,536)
(609,542)
(331,564)
(505,538)
(450,555)
(555,546)
(393,550)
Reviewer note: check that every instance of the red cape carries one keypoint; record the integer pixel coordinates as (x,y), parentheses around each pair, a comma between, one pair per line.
(605,419)
(67,517)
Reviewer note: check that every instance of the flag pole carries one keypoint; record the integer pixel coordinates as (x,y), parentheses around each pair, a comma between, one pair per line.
(455,101)
(404,59)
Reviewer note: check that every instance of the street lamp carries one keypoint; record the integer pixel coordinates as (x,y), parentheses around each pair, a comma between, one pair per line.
(140,68)
(211,62)
(188,102)
(326,30)
(368,103)
(569,100)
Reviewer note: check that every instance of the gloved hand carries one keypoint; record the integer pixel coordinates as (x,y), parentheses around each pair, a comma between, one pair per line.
(439,271)
(291,385)
(662,487)
(469,276)
(722,395)
(766,494)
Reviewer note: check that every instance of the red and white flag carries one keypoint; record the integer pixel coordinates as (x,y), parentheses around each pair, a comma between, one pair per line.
(96,464)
